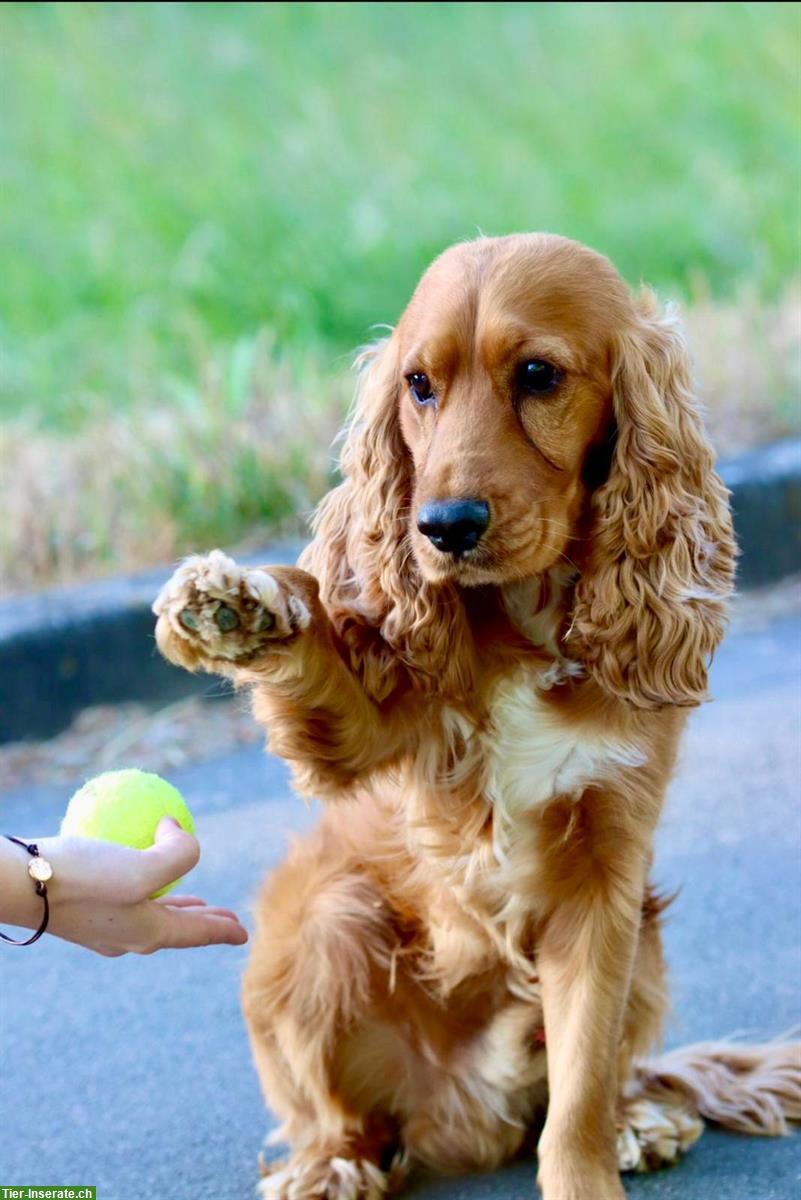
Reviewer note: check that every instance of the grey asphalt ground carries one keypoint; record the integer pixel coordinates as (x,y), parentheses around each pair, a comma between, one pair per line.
(134,1074)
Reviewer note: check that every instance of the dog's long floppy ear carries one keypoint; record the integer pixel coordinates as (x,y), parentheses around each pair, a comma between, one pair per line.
(650,606)
(392,621)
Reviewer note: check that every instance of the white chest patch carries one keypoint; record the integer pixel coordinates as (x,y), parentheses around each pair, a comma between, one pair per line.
(534,755)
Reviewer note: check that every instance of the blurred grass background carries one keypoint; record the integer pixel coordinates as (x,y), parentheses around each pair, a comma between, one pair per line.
(205,207)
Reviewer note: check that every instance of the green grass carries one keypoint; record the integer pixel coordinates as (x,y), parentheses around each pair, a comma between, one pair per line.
(205,207)
(176,177)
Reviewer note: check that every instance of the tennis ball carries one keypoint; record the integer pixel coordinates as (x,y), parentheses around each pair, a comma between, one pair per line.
(125,807)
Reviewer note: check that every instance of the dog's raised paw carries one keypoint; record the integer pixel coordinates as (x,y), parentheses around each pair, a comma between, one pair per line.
(213,609)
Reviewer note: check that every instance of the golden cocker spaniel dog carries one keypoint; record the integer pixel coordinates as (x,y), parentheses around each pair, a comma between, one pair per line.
(483,666)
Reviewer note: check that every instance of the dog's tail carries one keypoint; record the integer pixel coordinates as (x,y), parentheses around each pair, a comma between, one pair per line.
(751,1089)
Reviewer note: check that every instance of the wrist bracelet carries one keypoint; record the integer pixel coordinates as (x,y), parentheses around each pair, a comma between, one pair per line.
(40,871)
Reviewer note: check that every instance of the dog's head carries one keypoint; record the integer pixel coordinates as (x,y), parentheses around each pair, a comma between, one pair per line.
(504,357)
(527,412)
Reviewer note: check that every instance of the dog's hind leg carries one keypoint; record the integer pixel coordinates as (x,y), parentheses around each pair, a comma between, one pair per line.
(323,945)
(665,1099)
(750,1089)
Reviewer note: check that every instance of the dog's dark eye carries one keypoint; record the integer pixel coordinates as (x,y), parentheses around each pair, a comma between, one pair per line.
(536,377)
(420,387)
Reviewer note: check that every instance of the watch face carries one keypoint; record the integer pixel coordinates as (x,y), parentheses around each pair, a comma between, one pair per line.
(40,870)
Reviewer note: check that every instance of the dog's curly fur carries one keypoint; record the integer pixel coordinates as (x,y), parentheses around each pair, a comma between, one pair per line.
(469,935)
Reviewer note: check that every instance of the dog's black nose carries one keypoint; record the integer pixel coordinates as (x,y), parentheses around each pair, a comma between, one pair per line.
(453,526)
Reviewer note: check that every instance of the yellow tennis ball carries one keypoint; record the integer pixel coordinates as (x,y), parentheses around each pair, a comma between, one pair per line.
(125,807)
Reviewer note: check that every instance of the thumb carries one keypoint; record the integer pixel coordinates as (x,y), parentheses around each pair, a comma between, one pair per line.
(174,853)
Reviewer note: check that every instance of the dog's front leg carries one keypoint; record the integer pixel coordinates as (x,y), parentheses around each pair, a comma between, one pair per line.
(595,866)
(267,629)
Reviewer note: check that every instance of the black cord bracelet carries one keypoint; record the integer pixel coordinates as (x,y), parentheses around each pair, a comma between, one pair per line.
(40,871)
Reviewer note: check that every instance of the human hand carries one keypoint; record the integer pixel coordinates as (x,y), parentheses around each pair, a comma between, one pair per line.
(99,896)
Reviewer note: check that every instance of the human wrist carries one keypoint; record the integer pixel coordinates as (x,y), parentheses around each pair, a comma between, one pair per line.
(20,902)
(68,882)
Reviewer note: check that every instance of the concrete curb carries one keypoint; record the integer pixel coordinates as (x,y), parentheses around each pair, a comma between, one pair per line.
(67,648)
(766,497)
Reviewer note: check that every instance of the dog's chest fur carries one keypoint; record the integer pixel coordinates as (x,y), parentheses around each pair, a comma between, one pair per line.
(475,808)
(535,750)
(480,828)
(534,753)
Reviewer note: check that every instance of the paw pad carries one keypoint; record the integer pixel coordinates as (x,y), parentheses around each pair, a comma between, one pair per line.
(226,619)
